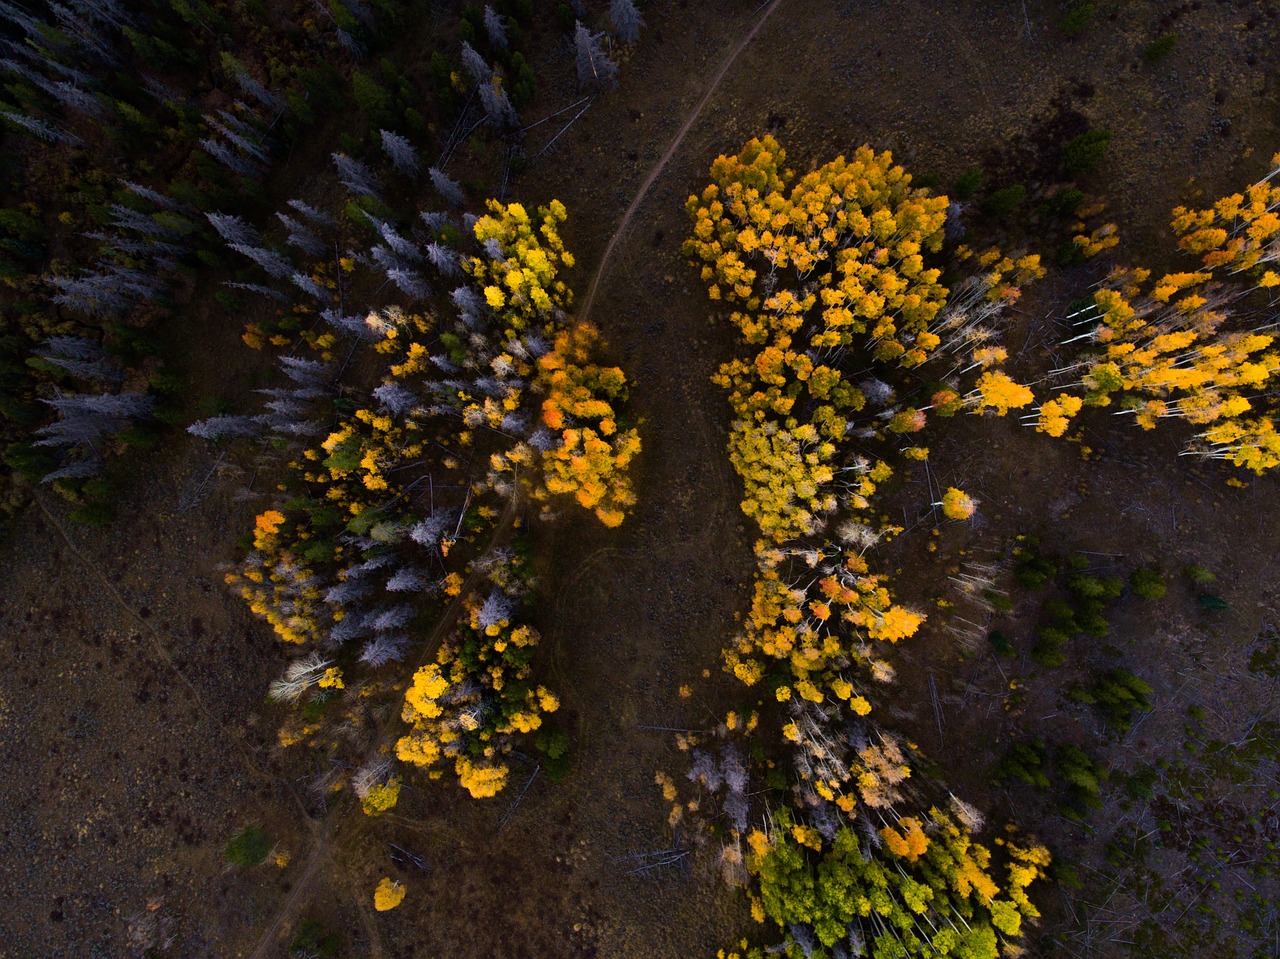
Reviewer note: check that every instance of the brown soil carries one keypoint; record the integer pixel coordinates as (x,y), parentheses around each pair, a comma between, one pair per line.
(135,736)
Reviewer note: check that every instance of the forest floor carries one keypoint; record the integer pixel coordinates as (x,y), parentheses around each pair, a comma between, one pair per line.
(136,738)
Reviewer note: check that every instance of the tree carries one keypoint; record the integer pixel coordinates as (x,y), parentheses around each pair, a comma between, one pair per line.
(81,358)
(1167,347)
(389,894)
(476,66)
(448,188)
(401,153)
(595,70)
(957,504)
(355,175)
(626,20)
(497,106)
(496,28)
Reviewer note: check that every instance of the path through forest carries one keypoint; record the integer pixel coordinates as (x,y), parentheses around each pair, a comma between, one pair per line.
(584,310)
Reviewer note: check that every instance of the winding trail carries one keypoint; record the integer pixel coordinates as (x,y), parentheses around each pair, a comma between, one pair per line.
(589,300)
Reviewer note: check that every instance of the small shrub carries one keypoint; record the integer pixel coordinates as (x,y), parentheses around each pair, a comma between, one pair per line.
(1212,604)
(969,183)
(1160,48)
(1095,587)
(1064,874)
(1025,762)
(1085,152)
(1118,695)
(1077,18)
(564,17)
(1141,785)
(999,601)
(1001,644)
(1198,575)
(94,514)
(1082,778)
(314,940)
(1032,571)
(1003,202)
(1147,583)
(1064,204)
(248,847)
(554,746)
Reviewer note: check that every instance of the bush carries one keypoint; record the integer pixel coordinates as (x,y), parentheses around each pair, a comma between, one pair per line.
(1025,762)
(1160,48)
(1085,152)
(1033,572)
(1198,575)
(1064,204)
(564,17)
(1095,587)
(1147,583)
(522,81)
(1212,604)
(1118,695)
(554,746)
(1083,779)
(1077,18)
(314,940)
(970,182)
(248,847)
(94,514)
(1004,201)
(1001,644)
(1049,645)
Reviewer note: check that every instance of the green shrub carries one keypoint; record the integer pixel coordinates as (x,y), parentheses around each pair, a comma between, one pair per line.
(248,847)
(999,601)
(522,82)
(1077,18)
(94,514)
(1025,762)
(1212,604)
(1001,644)
(30,462)
(1049,645)
(1198,574)
(1069,254)
(1094,587)
(554,746)
(1033,572)
(969,183)
(313,940)
(1064,874)
(1118,695)
(1083,153)
(1064,204)
(1003,202)
(1082,779)
(1160,48)
(1147,583)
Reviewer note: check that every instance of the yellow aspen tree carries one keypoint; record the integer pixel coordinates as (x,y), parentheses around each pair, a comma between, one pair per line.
(388,894)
